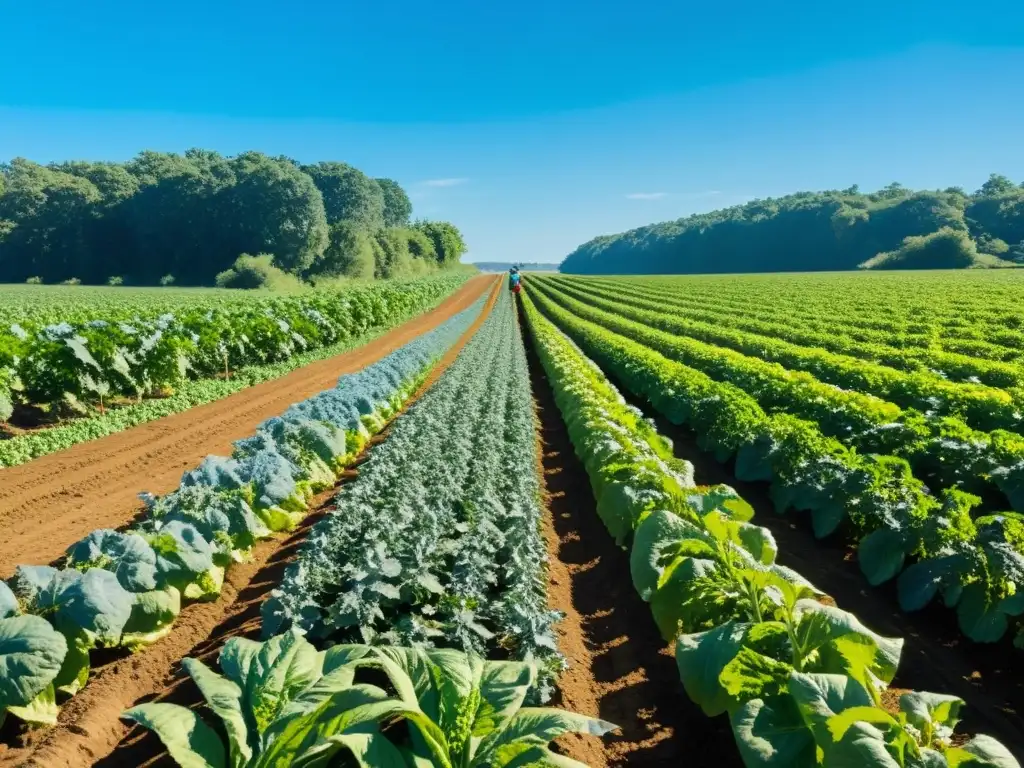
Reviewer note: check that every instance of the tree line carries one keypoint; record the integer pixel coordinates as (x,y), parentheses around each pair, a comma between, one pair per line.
(894,227)
(186,219)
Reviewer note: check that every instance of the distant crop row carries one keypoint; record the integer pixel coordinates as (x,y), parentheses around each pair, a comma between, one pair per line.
(77,365)
(933,543)
(801,681)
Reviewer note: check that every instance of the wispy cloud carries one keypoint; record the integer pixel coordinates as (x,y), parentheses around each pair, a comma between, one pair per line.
(444,182)
(646,195)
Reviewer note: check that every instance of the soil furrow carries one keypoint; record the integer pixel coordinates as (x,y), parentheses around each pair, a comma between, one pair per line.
(49,503)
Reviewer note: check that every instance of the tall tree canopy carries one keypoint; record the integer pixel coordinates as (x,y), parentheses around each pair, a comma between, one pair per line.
(186,218)
(831,230)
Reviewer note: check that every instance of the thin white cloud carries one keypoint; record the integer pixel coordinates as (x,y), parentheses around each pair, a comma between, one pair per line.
(646,195)
(444,182)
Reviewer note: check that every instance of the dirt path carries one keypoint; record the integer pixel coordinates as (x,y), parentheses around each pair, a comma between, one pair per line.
(49,503)
(936,656)
(90,731)
(620,668)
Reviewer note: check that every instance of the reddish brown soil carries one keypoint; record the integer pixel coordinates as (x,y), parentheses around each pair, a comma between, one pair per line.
(51,502)
(620,668)
(936,655)
(90,731)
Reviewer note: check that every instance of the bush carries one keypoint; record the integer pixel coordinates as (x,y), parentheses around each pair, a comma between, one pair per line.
(115,280)
(946,249)
(252,272)
(70,281)
(167,280)
(35,281)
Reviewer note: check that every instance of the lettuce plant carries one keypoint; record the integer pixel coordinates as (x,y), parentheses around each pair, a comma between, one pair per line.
(282,702)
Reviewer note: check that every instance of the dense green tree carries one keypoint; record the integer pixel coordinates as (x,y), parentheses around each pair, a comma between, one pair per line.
(349,254)
(397,206)
(806,231)
(997,184)
(188,217)
(275,208)
(448,243)
(349,195)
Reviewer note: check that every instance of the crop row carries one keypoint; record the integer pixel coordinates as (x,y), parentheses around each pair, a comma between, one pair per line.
(941,450)
(966,332)
(438,541)
(954,302)
(73,367)
(976,564)
(801,680)
(982,407)
(125,589)
(772,322)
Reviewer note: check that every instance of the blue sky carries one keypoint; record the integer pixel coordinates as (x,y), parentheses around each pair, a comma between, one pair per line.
(534,126)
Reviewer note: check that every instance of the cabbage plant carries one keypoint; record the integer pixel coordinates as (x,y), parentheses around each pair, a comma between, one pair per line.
(282,702)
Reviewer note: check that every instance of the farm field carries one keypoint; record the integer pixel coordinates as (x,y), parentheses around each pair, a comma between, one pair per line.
(77,363)
(550,517)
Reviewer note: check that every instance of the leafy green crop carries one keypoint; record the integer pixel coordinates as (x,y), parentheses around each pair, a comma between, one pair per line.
(800,679)
(282,702)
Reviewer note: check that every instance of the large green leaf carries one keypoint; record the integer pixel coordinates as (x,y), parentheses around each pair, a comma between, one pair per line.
(921,581)
(674,604)
(981,619)
(152,617)
(658,530)
(182,554)
(535,727)
(881,554)
(225,699)
(753,675)
(772,734)
(819,697)
(701,657)
(843,644)
(369,750)
(503,688)
(190,741)
(126,555)
(42,710)
(981,752)
(933,714)
(94,601)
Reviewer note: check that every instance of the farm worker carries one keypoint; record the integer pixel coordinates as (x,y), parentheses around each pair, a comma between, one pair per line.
(513,280)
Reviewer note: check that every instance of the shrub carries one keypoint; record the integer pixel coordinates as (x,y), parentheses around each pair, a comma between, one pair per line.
(35,280)
(115,280)
(252,272)
(167,280)
(70,281)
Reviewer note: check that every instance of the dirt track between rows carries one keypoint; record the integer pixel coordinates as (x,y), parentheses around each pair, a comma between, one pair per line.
(90,732)
(49,503)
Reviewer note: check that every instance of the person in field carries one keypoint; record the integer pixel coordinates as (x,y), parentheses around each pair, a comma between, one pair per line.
(513,280)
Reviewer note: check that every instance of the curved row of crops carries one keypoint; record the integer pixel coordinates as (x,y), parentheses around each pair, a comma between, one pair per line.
(80,363)
(976,564)
(125,589)
(801,680)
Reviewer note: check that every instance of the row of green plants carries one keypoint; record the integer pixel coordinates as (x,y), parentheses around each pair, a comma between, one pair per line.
(955,366)
(932,544)
(438,541)
(78,367)
(125,589)
(974,330)
(800,680)
(941,450)
(980,406)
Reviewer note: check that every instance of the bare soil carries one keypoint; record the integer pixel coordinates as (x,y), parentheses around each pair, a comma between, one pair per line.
(89,730)
(621,670)
(51,502)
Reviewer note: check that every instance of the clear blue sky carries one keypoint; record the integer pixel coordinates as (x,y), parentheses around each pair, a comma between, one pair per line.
(534,125)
